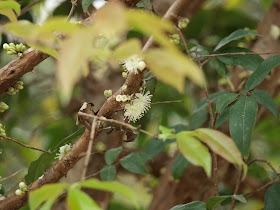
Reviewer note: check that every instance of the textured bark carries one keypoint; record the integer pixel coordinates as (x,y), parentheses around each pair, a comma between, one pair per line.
(194,185)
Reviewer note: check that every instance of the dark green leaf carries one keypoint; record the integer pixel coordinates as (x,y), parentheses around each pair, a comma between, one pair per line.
(135,162)
(38,167)
(223,118)
(260,73)
(240,33)
(108,173)
(271,199)
(86,4)
(264,99)
(112,154)
(198,118)
(250,62)
(242,118)
(224,100)
(218,66)
(213,202)
(77,199)
(179,166)
(153,147)
(195,205)
(203,103)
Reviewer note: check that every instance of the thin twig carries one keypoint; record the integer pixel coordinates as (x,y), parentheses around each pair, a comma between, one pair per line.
(237,53)
(262,187)
(12,175)
(264,161)
(150,78)
(118,122)
(184,42)
(24,145)
(233,201)
(74,4)
(89,148)
(28,7)
(167,102)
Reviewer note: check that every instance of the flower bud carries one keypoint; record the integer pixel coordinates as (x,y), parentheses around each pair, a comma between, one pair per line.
(6,46)
(124,75)
(141,65)
(22,185)
(18,192)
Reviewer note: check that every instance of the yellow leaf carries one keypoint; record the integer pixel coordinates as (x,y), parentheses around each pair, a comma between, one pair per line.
(173,67)
(9,13)
(59,25)
(10,4)
(73,56)
(127,49)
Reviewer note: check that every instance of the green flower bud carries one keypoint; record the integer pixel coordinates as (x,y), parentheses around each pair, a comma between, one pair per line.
(10,52)
(176,36)
(124,75)
(12,45)
(107,93)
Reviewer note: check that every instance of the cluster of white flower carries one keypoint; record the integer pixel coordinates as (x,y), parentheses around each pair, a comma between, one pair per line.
(63,151)
(275,31)
(133,64)
(22,190)
(123,98)
(138,106)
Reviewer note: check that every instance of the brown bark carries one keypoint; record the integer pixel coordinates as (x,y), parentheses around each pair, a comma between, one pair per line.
(194,185)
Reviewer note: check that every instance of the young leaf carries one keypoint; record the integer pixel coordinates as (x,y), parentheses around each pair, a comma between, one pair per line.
(240,198)
(128,49)
(47,193)
(240,33)
(172,67)
(224,100)
(10,4)
(112,154)
(221,144)
(194,151)
(264,99)
(77,199)
(250,62)
(195,205)
(135,162)
(179,166)
(108,173)
(260,73)
(166,133)
(9,13)
(111,187)
(272,195)
(203,103)
(242,118)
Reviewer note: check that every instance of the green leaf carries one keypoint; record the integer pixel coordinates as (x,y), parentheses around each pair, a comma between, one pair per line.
(194,151)
(77,199)
(153,147)
(195,205)
(221,144)
(224,117)
(48,193)
(108,173)
(218,66)
(135,162)
(240,33)
(128,49)
(250,62)
(179,166)
(147,4)
(203,103)
(197,119)
(172,67)
(38,167)
(86,4)
(240,198)
(111,187)
(112,154)
(214,201)
(264,99)
(242,118)
(260,73)
(271,198)
(10,4)
(224,100)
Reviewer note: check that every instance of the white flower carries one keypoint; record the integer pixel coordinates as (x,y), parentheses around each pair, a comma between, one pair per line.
(136,109)
(275,31)
(63,151)
(131,64)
